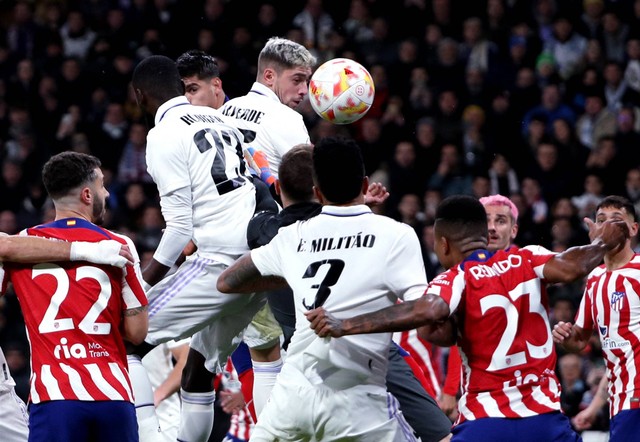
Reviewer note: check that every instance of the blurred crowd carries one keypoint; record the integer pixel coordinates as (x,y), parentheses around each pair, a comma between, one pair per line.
(538,100)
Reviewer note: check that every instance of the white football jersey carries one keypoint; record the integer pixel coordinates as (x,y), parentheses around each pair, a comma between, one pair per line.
(192,146)
(267,124)
(6,381)
(350,261)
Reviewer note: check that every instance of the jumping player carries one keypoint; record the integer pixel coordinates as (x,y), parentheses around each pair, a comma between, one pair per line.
(207,196)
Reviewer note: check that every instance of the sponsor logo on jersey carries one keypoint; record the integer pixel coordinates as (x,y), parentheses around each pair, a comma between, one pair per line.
(617,301)
(479,271)
(610,344)
(64,350)
(520,379)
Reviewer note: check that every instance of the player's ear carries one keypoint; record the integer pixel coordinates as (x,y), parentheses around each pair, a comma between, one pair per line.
(86,195)
(269,76)
(319,195)
(277,186)
(365,185)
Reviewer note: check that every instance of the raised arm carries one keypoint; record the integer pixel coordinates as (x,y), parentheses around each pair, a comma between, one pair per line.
(427,310)
(577,262)
(31,249)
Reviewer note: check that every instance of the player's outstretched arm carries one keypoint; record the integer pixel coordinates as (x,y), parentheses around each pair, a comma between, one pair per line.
(244,277)
(30,249)
(399,317)
(576,262)
(571,337)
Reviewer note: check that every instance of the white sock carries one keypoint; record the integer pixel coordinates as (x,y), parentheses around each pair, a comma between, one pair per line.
(264,378)
(148,425)
(196,416)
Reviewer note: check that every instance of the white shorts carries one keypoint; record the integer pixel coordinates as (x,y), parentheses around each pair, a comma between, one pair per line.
(14,420)
(187,303)
(297,412)
(263,331)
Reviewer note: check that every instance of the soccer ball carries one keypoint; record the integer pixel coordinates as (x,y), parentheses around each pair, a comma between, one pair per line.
(341,91)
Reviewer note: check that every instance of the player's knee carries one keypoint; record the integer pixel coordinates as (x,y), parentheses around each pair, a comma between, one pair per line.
(195,377)
(266,354)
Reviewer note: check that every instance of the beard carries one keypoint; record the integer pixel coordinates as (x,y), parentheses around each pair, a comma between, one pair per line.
(98,211)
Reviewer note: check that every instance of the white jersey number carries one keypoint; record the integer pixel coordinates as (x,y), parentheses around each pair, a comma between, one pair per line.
(205,140)
(323,288)
(500,358)
(88,324)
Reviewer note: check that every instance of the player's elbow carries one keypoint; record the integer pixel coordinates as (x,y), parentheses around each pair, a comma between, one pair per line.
(223,285)
(431,309)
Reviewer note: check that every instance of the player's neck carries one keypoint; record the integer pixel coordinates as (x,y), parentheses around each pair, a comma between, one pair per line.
(620,259)
(63,211)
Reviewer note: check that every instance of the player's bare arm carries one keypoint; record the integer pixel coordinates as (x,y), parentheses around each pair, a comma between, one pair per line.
(571,337)
(585,419)
(441,333)
(30,249)
(244,277)
(154,272)
(399,317)
(578,261)
(171,384)
(135,324)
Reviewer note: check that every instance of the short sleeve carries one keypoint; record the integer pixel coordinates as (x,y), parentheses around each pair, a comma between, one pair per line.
(405,274)
(166,162)
(268,259)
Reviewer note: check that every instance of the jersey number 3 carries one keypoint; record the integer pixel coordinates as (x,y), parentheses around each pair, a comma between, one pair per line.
(323,289)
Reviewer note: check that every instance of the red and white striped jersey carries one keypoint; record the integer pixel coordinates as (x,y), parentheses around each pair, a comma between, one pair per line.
(611,304)
(426,355)
(505,342)
(73,313)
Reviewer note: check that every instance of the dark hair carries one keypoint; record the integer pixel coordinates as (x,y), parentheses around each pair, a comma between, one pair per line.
(338,169)
(198,63)
(67,171)
(296,173)
(461,216)
(618,202)
(158,77)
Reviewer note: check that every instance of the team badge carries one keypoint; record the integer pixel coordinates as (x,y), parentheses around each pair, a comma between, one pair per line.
(617,301)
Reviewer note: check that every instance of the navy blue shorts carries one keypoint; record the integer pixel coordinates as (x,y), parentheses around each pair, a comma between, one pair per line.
(80,421)
(544,427)
(625,426)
